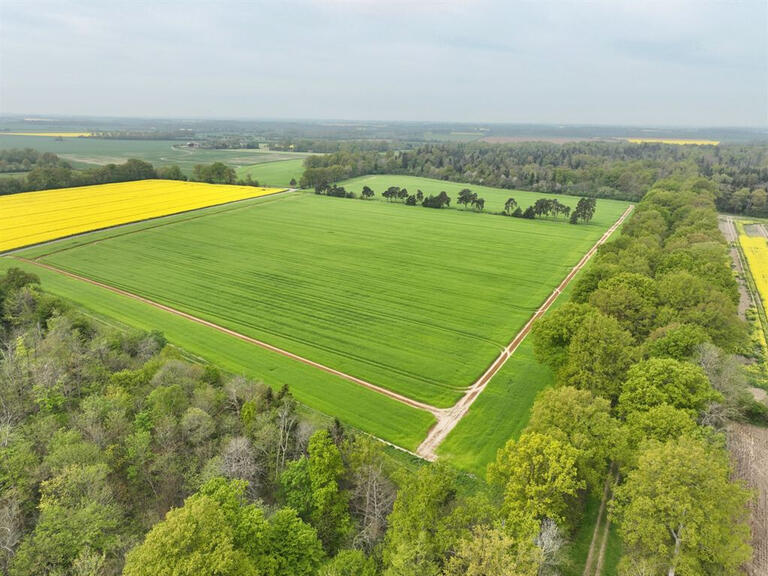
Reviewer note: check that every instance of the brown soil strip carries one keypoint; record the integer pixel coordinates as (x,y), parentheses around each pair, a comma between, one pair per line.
(595,534)
(450,418)
(749,453)
(394,395)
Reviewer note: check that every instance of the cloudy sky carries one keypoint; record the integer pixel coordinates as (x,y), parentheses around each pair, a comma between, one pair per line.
(667,62)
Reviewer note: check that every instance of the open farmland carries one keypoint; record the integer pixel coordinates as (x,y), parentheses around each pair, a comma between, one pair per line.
(756,250)
(676,141)
(89,152)
(274,173)
(35,217)
(49,134)
(288,272)
(753,240)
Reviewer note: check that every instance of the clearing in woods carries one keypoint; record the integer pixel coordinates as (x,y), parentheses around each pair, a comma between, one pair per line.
(438,298)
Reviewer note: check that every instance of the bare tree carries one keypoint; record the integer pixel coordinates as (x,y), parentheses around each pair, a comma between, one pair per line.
(10,529)
(239,461)
(286,422)
(550,542)
(373,496)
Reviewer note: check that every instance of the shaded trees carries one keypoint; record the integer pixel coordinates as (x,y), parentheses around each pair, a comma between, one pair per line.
(679,511)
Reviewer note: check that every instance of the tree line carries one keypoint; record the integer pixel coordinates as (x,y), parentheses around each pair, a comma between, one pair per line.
(647,380)
(50,172)
(619,170)
(24,160)
(583,212)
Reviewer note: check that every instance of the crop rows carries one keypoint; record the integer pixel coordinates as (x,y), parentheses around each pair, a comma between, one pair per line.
(435,298)
(35,217)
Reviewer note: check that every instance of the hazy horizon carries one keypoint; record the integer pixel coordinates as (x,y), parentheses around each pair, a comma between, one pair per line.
(660,64)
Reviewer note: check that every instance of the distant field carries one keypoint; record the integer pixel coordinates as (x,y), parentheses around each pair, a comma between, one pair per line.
(85,152)
(681,141)
(49,134)
(34,217)
(274,173)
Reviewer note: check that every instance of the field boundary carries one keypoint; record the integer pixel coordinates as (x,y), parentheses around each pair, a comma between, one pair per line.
(447,421)
(447,418)
(437,412)
(12,251)
(749,281)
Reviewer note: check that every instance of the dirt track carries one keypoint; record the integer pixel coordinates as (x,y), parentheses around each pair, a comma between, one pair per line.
(449,419)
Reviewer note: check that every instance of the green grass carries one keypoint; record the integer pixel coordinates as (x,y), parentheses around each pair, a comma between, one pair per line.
(581,539)
(277,174)
(438,293)
(498,414)
(85,152)
(494,197)
(503,409)
(356,406)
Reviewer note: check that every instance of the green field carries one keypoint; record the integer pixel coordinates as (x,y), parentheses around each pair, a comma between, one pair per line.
(355,405)
(494,197)
(502,410)
(289,273)
(88,152)
(277,174)
(416,300)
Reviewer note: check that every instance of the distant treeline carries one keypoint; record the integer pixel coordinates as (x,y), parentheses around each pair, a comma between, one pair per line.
(584,211)
(24,160)
(180,134)
(50,172)
(622,170)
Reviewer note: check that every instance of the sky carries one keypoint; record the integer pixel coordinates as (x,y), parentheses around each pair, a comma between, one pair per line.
(628,62)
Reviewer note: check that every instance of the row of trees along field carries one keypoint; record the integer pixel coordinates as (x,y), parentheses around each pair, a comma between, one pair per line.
(50,172)
(620,170)
(584,211)
(647,380)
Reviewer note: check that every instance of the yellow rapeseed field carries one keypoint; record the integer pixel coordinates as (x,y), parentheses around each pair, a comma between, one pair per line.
(680,141)
(34,217)
(756,250)
(51,134)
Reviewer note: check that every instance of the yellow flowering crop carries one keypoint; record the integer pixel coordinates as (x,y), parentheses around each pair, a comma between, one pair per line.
(756,250)
(34,217)
(51,134)
(680,141)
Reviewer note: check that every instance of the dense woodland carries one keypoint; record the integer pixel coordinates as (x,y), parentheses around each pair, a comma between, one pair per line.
(118,455)
(604,170)
(24,160)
